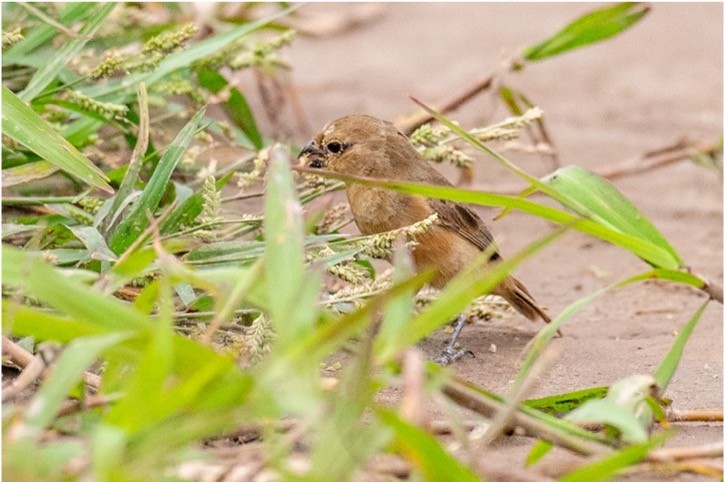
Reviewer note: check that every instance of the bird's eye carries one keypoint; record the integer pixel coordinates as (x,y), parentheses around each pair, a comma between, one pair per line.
(335,147)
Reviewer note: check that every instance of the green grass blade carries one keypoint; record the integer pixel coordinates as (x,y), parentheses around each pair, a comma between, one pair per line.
(595,198)
(565,402)
(69,49)
(294,293)
(594,27)
(640,247)
(135,222)
(40,34)
(23,124)
(121,90)
(605,468)
(424,452)
(67,371)
(23,320)
(668,366)
(31,273)
(28,172)
(136,162)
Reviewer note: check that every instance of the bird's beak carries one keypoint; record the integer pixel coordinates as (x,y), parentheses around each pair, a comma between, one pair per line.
(312,156)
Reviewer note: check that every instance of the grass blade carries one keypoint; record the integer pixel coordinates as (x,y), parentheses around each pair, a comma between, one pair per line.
(27,172)
(42,33)
(607,466)
(668,366)
(425,452)
(594,27)
(23,124)
(136,221)
(136,162)
(70,49)
(595,198)
(69,369)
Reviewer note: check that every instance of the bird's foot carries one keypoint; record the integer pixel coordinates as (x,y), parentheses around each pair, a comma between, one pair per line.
(450,355)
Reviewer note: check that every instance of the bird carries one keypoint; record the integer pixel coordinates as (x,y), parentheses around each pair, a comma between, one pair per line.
(362,145)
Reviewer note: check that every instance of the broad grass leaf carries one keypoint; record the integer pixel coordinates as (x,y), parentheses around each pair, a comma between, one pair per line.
(595,198)
(596,26)
(24,125)
(67,51)
(30,273)
(136,220)
(424,452)
(284,259)
(67,371)
(42,325)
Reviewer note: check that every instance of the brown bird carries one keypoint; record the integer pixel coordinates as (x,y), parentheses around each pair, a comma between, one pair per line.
(362,145)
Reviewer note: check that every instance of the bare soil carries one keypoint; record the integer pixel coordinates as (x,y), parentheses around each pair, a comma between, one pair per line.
(656,83)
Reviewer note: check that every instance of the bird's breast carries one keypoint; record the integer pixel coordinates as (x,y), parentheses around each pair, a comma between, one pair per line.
(377,210)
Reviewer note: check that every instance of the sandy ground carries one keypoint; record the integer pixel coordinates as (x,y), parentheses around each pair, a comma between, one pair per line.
(645,89)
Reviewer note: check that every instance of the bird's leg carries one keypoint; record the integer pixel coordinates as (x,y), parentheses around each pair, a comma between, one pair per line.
(450,354)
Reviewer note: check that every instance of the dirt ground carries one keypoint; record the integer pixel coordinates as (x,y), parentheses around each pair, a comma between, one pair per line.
(645,89)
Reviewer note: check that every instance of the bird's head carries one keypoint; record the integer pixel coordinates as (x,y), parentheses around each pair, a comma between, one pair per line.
(359,145)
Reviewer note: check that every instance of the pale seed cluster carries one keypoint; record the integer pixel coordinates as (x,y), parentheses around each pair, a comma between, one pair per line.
(11,37)
(381,246)
(105,109)
(332,218)
(258,340)
(245,179)
(151,54)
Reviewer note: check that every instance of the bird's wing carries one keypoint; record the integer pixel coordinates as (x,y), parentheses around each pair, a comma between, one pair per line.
(463,221)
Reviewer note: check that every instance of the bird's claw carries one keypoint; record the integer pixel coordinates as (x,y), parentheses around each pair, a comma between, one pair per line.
(449,356)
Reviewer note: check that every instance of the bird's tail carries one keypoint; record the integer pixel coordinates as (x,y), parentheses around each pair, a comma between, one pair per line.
(520,298)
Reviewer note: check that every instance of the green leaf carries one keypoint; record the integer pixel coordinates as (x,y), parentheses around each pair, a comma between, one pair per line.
(67,51)
(27,172)
(136,220)
(31,273)
(42,325)
(67,371)
(604,468)
(668,365)
(93,240)
(624,408)
(136,162)
(424,452)
(594,27)
(236,107)
(284,235)
(41,34)
(565,402)
(21,123)
(539,450)
(593,197)
(650,252)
